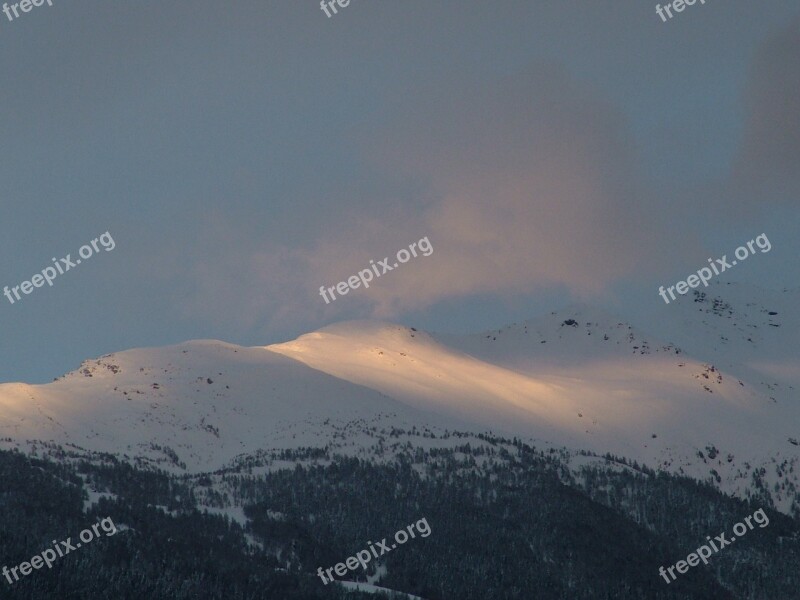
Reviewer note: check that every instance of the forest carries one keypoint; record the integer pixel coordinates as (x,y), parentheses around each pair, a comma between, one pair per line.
(508,521)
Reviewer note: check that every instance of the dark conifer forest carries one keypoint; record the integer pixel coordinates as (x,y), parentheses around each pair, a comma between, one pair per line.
(507,522)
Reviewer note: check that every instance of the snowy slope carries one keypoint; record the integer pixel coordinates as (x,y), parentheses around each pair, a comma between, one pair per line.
(746,328)
(715,400)
(581,378)
(201,403)
(599,385)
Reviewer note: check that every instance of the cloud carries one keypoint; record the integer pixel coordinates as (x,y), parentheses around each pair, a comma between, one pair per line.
(525,183)
(531,182)
(520,184)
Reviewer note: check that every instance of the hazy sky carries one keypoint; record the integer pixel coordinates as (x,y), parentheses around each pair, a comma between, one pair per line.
(243,154)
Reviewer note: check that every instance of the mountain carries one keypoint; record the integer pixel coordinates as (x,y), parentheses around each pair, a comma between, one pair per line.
(194,406)
(716,401)
(724,412)
(573,454)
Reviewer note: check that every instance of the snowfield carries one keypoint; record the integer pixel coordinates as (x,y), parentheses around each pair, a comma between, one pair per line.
(715,397)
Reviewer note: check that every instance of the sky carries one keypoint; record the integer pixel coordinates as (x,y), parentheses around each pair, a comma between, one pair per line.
(243,155)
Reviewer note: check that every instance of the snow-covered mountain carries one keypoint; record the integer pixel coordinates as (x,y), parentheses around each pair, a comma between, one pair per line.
(714,397)
(193,406)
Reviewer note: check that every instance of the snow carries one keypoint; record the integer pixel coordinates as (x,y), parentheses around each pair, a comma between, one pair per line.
(158,403)
(582,378)
(721,379)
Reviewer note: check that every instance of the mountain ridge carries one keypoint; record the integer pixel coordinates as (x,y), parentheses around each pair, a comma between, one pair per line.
(577,378)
